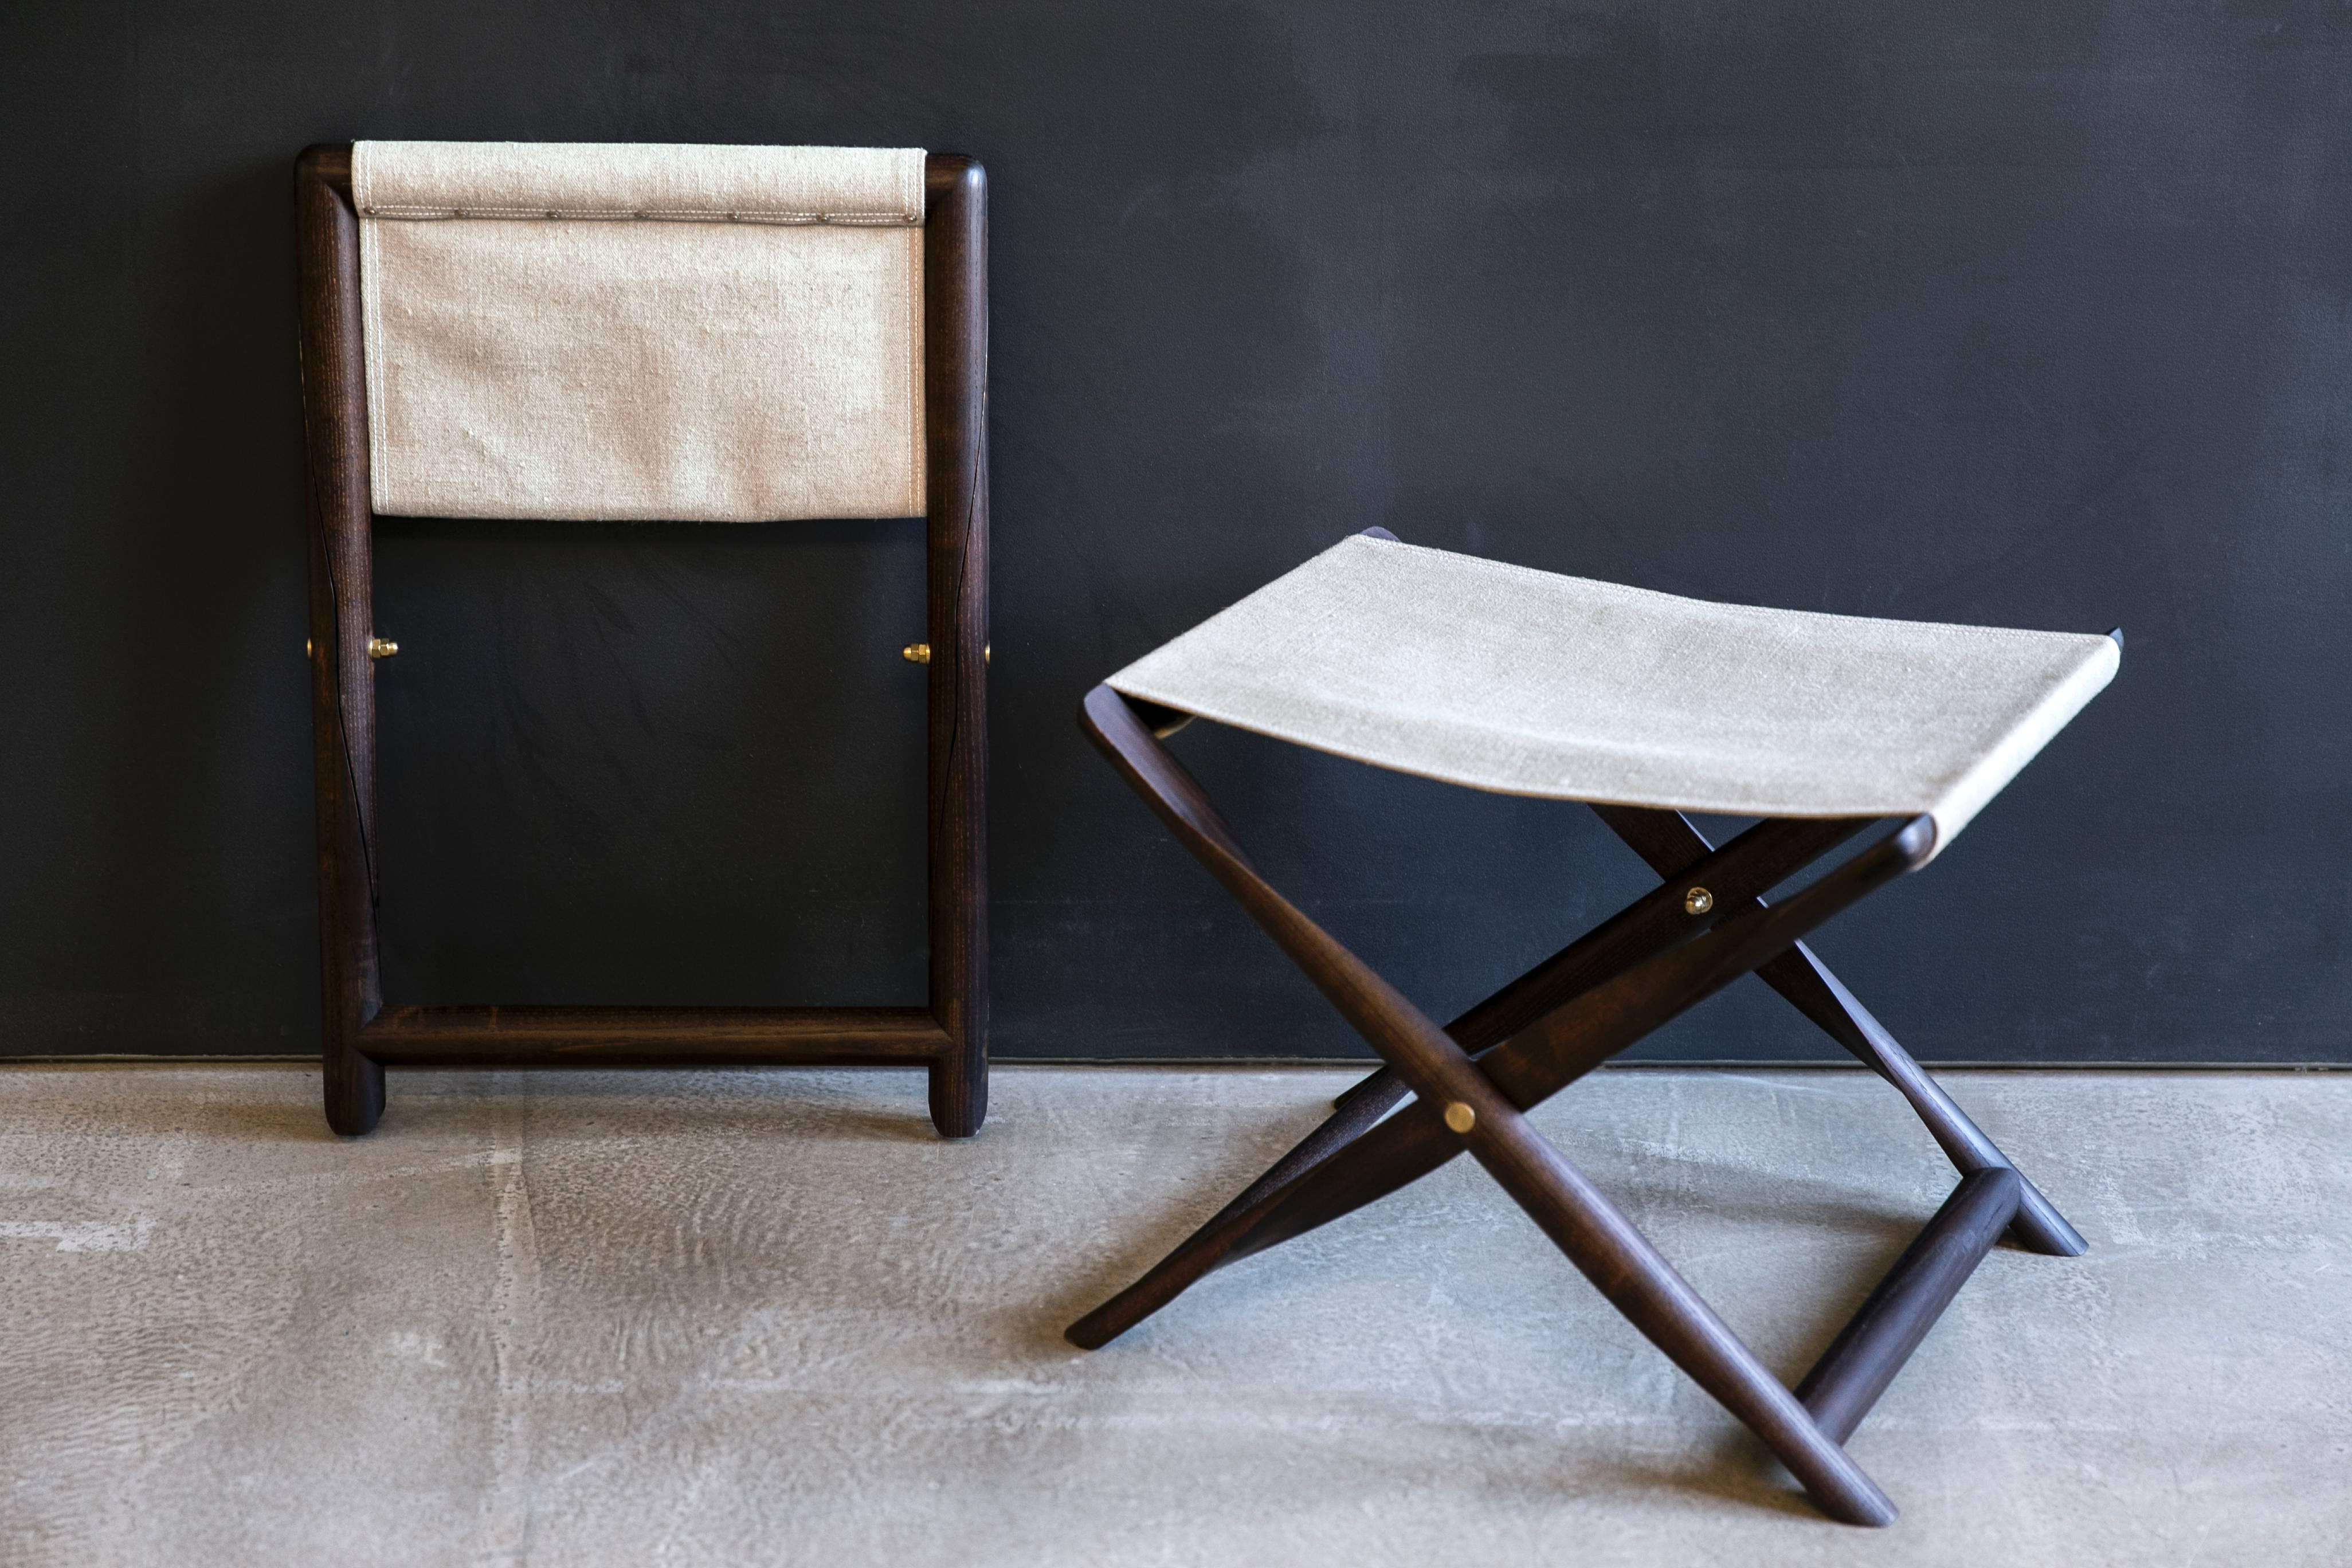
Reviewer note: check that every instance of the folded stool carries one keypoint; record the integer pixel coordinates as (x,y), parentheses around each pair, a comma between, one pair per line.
(1644,706)
(576,331)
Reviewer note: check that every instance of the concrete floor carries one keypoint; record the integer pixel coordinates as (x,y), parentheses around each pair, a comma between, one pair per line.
(767,1317)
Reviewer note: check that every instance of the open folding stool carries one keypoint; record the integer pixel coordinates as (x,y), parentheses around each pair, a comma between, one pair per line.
(632,333)
(1644,706)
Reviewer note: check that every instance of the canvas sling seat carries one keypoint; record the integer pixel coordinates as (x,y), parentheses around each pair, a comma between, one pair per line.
(1646,706)
(554,332)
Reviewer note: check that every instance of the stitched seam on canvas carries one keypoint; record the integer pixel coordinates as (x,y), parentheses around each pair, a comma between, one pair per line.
(916,198)
(899,219)
(371,358)
(918,391)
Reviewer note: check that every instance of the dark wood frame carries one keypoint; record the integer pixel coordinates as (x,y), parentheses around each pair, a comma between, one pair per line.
(1473,1080)
(948,1038)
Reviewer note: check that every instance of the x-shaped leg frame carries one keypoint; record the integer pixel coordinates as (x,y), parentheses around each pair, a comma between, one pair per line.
(1473,1081)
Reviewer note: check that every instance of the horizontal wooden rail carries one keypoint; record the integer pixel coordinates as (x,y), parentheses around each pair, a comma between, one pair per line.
(1872,1348)
(1671,845)
(653,1036)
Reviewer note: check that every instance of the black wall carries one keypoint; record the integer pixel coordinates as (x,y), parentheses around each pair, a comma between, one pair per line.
(2032,313)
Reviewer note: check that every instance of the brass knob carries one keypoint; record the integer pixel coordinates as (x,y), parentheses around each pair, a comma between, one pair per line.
(381,648)
(1698,901)
(305,648)
(1460,1117)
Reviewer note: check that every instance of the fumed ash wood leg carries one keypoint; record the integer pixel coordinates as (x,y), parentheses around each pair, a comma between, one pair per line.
(955,351)
(342,677)
(1758,860)
(1539,1060)
(1863,1359)
(1481,1108)
(1624,1267)
(1803,980)
(1673,844)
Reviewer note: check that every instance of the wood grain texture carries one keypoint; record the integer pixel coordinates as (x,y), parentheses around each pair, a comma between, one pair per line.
(653,1036)
(1891,1324)
(955,357)
(342,677)
(948,1036)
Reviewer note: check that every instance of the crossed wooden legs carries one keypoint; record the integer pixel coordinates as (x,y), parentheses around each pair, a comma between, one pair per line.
(1471,1081)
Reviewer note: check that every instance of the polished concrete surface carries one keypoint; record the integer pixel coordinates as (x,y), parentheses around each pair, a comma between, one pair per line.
(706,1318)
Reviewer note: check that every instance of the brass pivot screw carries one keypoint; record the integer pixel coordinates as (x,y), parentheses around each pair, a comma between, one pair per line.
(1698,901)
(1460,1117)
(381,648)
(916,653)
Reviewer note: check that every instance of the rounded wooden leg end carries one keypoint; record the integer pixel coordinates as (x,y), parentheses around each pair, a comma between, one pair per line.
(1872,1510)
(354,1093)
(1868,1518)
(959,1097)
(1096,1329)
(1838,1487)
(2039,1227)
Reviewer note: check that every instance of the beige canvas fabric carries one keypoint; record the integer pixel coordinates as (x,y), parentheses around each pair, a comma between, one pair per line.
(1531,683)
(725,334)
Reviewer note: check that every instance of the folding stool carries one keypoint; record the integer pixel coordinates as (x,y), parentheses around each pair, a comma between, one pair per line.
(640,332)
(1644,706)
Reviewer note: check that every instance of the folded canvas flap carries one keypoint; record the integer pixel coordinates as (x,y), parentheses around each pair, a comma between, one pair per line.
(637,333)
(1529,682)
(632,180)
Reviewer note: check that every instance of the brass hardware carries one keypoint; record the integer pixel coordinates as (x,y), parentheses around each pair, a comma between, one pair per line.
(381,648)
(305,648)
(920,653)
(1460,1118)
(1698,901)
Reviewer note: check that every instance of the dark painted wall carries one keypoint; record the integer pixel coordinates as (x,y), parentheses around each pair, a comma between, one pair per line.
(2029,313)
